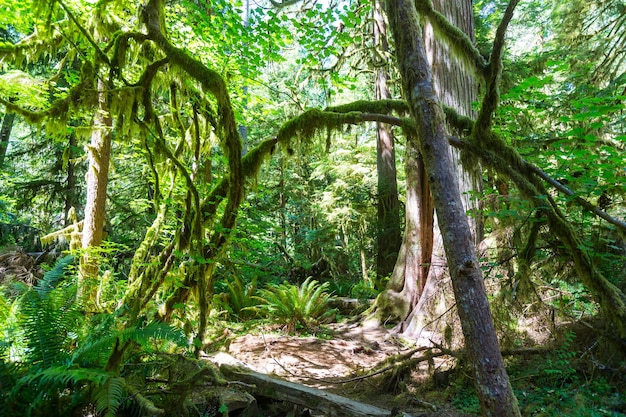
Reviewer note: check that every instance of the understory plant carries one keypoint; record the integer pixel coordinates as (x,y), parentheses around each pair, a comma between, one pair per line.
(297,307)
(241,297)
(57,359)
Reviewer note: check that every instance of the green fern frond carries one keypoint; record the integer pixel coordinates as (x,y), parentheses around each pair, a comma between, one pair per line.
(43,337)
(9,373)
(94,347)
(242,296)
(63,376)
(293,305)
(52,278)
(110,395)
(153,330)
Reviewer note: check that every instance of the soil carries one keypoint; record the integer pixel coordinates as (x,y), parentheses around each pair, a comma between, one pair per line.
(338,363)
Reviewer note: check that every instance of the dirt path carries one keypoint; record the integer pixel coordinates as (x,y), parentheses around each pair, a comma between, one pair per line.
(312,361)
(320,363)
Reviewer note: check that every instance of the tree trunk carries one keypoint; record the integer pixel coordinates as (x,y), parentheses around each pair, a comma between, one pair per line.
(418,288)
(455,88)
(5,133)
(389,237)
(494,391)
(71,197)
(396,303)
(99,152)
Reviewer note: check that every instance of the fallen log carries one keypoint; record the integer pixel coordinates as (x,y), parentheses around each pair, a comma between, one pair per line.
(330,404)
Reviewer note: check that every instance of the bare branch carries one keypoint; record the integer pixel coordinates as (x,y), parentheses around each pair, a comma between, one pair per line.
(494,71)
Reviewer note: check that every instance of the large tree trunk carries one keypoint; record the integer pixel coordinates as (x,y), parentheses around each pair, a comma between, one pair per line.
(455,87)
(99,152)
(494,391)
(389,233)
(418,288)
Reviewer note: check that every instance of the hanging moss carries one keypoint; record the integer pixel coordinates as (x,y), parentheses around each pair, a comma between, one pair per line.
(612,301)
(82,95)
(119,45)
(463,124)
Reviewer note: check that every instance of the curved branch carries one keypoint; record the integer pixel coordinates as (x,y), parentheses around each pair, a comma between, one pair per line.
(464,145)
(494,71)
(372,106)
(81,95)
(610,298)
(581,201)
(212,82)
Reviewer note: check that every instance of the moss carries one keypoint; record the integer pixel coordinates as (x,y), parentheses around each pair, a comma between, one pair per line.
(506,161)
(460,44)
(463,124)
(369,106)
(82,95)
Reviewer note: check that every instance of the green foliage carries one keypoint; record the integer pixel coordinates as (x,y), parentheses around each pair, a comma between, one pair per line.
(59,350)
(242,297)
(363,291)
(295,306)
(594,398)
(560,368)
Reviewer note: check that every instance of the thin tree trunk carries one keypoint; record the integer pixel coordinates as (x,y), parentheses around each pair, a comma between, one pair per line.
(389,233)
(5,133)
(99,152)
(71,198)
(494,390)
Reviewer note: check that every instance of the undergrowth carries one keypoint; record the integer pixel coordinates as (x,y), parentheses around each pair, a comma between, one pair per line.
(565,382)
(54,361)
(297,307)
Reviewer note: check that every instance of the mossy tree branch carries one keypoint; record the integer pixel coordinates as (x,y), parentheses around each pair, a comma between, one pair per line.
(611,300)
(82,95)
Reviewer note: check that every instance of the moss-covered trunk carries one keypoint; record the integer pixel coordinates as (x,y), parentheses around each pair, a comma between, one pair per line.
(99,152)
(5,133)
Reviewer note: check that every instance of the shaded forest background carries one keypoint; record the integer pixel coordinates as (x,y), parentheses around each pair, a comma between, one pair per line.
(170,170)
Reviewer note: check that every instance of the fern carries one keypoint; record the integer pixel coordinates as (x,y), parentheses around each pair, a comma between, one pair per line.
(110,395)
(62,376)
(241,296)
(145,335)
(66,353)
(9,372)
(53,277)
(295,306)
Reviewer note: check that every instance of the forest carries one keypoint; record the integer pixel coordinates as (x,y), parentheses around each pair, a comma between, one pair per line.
(290,208)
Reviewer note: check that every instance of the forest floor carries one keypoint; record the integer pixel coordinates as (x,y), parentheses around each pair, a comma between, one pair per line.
(339,361)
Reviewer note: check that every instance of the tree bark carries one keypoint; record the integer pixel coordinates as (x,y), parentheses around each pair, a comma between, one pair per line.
(389,233)
(455,87)
(99,151)
(5,133)
(493,388)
